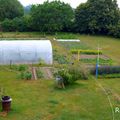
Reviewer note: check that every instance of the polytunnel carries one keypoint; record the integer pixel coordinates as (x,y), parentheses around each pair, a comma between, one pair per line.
(25,52)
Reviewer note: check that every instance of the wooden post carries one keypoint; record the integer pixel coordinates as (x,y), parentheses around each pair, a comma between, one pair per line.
(78,55)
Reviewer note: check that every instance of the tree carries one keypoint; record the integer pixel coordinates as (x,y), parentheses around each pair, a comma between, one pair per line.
(17,24)
(52,16)
(10,9)
(97,16)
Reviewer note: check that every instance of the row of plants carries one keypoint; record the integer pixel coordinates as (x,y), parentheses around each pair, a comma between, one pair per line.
(101,61)
(74,45)
(103,70)
(110,76)
(88,52)
(61,35)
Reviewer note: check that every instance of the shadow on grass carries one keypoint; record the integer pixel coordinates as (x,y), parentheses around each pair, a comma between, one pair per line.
(74,86)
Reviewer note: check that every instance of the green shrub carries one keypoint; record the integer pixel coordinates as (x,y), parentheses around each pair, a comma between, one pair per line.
(72,74)
(66,76)
(39,74)
(89,52)
(19,67)
(26,75)
(14,67)
(78,72)
(22,67)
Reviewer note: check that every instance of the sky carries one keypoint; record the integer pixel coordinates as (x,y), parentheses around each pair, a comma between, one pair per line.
(73,3)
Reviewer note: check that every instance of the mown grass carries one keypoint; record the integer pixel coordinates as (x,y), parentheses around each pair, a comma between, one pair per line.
(39,100)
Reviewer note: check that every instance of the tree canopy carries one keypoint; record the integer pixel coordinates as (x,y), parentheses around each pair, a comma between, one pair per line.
(97,16)
(92,17)
(52,16)
(10,9)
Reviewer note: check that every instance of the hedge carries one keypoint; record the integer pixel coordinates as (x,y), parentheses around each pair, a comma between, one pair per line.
(89,52)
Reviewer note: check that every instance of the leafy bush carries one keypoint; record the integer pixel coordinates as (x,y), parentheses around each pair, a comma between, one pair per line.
(19,67)
(66,76)
(26,75)
(89,52)
(79,72)
(22,67)
(72,74)
(39,74)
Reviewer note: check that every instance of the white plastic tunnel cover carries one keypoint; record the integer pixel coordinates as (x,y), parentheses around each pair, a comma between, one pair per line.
(25,51)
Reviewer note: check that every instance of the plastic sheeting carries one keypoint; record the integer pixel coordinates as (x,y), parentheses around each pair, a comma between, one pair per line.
(68,40)
(25,52)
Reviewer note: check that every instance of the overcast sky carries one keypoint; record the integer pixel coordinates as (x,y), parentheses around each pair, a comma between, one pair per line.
(73,3)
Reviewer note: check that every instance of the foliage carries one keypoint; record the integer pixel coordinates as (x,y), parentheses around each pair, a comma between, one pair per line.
(109,76)
(92,17)
(52,16)
(89,52)
(97,16)
(19,67)
(22,67)
(65,36)
(72,73)
(39,73)
(60,58)
(101,61)
(17,24)
(10,9)
(23,71)
(26,75)
(75,45)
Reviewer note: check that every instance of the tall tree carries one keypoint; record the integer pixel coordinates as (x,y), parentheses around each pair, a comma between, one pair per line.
(97,16)
(52,16)
(10,9)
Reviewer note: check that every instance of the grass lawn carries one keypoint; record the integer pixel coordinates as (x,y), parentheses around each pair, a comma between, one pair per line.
(85,100)
(39,100)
